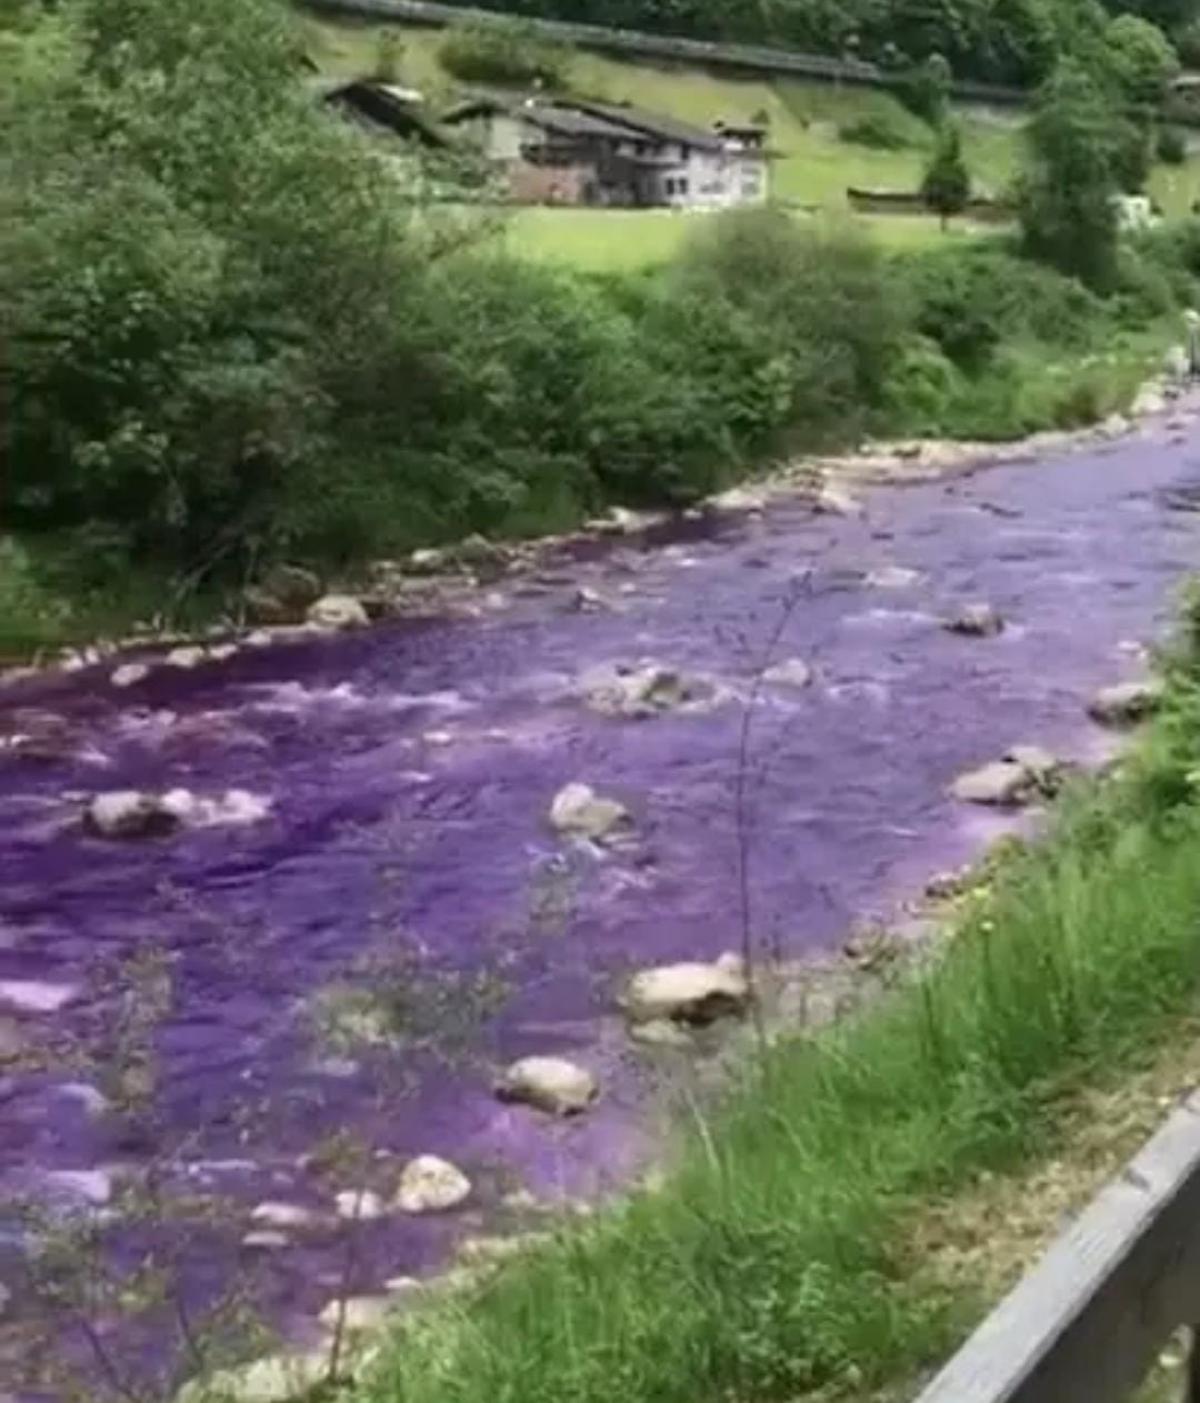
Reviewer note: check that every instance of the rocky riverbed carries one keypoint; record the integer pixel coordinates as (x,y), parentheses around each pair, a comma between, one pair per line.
(347,927)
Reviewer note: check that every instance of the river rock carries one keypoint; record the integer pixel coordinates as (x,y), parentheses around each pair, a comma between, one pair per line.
(185,658)
(1126,703)
(1022,774)
(264,608)
(358,1205)
(284,1215)
(281,1378)
(550,1084)
(1149,400)
(357,1315)
(836,501)
(976,621)
(130,813)
(578,810)
(130,674)
(1176,365)
(431,1185)
(739,499)
(266,1240)
(892,577)
(691,992)
(791,672)
(337,611)
(428,560)
(478,553)
(1001,782)
(296,588)
(640,692)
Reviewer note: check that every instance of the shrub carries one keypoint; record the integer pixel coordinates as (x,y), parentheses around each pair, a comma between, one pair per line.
(509,52)
(874,129)
(946,186)
(925,89)
(1171,146)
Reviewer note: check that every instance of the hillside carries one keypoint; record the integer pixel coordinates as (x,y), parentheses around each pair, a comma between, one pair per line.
(815,163)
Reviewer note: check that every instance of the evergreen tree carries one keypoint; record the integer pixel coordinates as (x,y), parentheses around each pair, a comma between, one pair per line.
(946,187)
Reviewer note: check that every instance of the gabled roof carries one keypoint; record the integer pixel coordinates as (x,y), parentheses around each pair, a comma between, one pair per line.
(651,124)
(383,106)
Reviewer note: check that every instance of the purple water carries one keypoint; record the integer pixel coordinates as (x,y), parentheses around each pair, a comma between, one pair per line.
(411,769)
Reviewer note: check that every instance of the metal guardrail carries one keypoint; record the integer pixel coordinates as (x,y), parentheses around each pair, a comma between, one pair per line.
(1087,1322)
(748,57)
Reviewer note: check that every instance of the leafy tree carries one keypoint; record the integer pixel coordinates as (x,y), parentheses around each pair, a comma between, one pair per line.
(946,187)
(925,88)
(1067,189)
(1139,59)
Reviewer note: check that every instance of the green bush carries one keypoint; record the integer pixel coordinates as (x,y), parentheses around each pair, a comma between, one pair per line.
(874,129)
(509,52)
(1171,146)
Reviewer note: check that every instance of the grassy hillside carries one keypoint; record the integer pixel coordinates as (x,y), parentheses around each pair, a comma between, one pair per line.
(814,166)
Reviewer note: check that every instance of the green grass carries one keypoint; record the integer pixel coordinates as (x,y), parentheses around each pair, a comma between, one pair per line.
(774,1263)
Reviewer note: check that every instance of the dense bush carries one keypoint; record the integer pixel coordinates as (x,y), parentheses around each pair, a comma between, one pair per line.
(1171,146)
(508,53)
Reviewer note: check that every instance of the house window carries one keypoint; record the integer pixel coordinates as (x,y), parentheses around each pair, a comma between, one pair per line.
(676,185)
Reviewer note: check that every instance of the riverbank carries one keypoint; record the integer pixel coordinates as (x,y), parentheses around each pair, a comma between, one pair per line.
(776,1260)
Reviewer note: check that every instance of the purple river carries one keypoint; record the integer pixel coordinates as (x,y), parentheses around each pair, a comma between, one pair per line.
(409,771)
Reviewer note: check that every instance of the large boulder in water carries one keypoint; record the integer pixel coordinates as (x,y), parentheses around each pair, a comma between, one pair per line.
(1025,773)
(130,813)
(296,588)
(579,811)
(1126,703)
(338,611)
(550,1084)
(431,1185)
(643,691)
(794,673)
(975,621)
(691,992)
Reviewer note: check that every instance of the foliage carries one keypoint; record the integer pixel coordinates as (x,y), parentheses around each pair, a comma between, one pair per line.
(389,55)
(508,52)
(1140,60)
(874,129)
(946,186)
(773,1263)
(1068,212)
(1013,42)
(1171,146)
(925,89)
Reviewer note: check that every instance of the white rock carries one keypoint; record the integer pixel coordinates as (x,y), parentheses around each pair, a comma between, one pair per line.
(129,813)
(361,1205)
(428,561)
(402,1285)
(1127,702)
(36,995)
(280,1378)
(739,499)
(893,577)
(578,810)
(1175,363)
(690,992)
(259,638)
(550,1084)
(1148,400)
(835,501)
(640,692)
(790,672)
(662,1032)
(976,621)
(284,1215)
(222,652)
(130,674)
(180,803)
(186,658)
(1002,782)
(266,1240)
(338,611)
(358,1314)
(431,1185)
(1043,767)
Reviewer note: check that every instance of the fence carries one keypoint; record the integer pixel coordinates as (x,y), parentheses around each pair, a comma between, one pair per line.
(752,58)
(1088,1321)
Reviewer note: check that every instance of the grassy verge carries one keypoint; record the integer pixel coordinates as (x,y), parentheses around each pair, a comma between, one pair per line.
(778,1261)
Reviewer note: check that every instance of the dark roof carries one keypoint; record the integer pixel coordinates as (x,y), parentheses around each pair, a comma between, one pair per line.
(383,106)
(551,116)
(651,124)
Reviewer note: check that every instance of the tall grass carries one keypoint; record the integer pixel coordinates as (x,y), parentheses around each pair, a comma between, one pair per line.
(772,1263)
